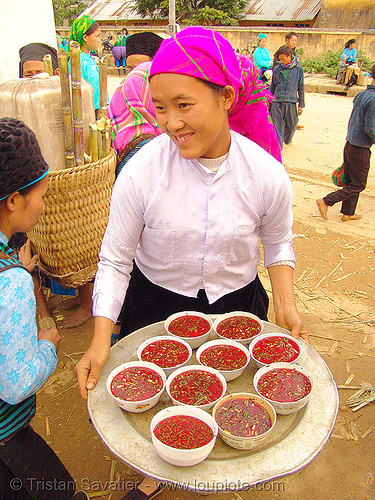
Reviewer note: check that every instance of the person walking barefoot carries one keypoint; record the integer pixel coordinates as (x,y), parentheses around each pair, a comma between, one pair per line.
(357,153)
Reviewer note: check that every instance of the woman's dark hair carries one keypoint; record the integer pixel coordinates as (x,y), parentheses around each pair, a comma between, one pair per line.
(214,86)
(126,31)
(373,70)
(284,49)
(92,28)
(349,42)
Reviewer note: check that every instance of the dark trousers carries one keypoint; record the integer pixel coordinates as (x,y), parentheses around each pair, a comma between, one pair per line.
(147,303)
(31,470)
(285,118)
(356,168)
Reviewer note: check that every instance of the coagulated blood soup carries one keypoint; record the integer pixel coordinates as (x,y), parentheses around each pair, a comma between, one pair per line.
(284,385)
(238,327)
(183,432)
(223,357)
(243,417)
(136,384)
(189,326)
(165,353)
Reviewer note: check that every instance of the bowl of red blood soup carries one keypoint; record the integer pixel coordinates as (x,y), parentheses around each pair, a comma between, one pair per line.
(230,358)
(193,327)
(196,385)
(245,420)
(239,326)
(270,348)
(286,386)
(136,386)
(183,435)
(167,352)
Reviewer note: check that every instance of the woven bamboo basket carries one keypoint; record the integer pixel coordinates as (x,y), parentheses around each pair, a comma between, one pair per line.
(69,233)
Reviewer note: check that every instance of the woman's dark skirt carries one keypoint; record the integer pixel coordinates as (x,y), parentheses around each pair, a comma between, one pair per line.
(146,303)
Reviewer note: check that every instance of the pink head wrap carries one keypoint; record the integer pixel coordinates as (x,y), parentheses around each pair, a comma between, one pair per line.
(205,54)
(131,108)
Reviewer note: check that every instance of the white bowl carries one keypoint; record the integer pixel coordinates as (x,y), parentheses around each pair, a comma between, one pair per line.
(227,374)
(144,404)
(200,368)
(284,408)
(243,442)
(194,342)
(233,314)
(176,456)
(253,343)
(170,369)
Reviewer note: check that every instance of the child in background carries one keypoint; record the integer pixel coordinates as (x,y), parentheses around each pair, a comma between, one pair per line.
(27,357)
(288,88)
(86,32)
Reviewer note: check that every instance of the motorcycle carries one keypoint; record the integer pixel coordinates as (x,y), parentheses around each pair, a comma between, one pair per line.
(107,45)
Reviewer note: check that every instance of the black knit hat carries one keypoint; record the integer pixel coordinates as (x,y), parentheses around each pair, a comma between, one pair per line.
(36,52)
(21,161)
(146,43)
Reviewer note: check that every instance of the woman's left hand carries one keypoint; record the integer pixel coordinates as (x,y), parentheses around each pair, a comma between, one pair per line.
(26,258)
(290,319)
(284,303)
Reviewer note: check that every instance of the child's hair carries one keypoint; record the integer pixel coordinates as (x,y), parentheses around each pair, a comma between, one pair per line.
(289,35)
(284,49)
(373,70)
(21,161)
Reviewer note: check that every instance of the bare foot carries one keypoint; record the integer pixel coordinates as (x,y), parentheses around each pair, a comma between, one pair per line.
(322,208)
(71,303)
(345,218)
(78,318)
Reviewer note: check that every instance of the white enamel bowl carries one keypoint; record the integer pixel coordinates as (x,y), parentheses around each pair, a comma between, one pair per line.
(227,374)
(200,368)
(194,342)
(234,314)
(177,456)
(284,408)
(168,370)
(144,404)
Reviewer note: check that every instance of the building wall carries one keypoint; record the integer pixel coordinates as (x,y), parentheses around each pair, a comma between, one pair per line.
(349,14)
(313,41)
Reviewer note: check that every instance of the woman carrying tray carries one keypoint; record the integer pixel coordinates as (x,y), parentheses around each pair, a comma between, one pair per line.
(190,205)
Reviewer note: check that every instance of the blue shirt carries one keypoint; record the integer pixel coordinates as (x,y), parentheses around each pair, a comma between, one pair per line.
(361,127)
(25,362)
(262,58)
(351,55)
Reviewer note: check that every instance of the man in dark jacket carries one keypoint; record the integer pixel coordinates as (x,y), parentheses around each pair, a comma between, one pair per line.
(288,88)
(360,138)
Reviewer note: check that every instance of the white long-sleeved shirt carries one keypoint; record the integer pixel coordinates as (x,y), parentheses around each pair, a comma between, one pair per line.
(190,228)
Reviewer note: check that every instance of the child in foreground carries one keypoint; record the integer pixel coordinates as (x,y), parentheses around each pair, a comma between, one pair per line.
(27,357)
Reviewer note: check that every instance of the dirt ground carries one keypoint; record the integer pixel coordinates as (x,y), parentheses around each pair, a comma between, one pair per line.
(335,291)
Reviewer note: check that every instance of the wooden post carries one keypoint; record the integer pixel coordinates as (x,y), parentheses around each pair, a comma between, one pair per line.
(47,61)
(75,64)
(102,141)
(66,108)
(102,112)
(94,141)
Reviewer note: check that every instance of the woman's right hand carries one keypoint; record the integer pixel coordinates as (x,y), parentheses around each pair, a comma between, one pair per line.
(89,366)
